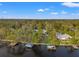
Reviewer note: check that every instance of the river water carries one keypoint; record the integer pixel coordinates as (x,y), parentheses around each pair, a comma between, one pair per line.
(60,51)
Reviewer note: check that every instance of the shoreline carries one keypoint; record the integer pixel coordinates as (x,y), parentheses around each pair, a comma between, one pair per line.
(40,43)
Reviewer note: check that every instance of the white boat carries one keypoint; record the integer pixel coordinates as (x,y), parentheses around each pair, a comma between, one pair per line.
(75,47)
(51,47)
(29,45)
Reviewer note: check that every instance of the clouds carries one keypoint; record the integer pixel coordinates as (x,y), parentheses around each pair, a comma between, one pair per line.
(43,10)
(64,12)
(51,11)
(54,13)
(46,10)
(59,13)
(70,4)
(40,10)
(3,11)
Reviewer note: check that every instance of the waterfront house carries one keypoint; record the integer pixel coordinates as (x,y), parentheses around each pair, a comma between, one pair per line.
(61,36)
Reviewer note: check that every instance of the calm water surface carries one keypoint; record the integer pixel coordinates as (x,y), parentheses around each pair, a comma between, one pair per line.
(60,52)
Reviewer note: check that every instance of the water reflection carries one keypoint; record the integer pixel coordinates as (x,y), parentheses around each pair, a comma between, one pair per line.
(60,51)
(42,51)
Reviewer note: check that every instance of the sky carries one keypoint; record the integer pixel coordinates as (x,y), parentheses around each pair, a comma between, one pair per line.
(39,10)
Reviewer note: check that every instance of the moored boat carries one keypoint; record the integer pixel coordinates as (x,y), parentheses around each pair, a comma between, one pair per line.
(28,45)
(51,48)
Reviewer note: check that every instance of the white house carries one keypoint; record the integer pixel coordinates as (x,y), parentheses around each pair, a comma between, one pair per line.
(44,31)
(61,36)
(35,30)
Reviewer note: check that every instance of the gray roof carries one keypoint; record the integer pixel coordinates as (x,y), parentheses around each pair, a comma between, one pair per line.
(62,36)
